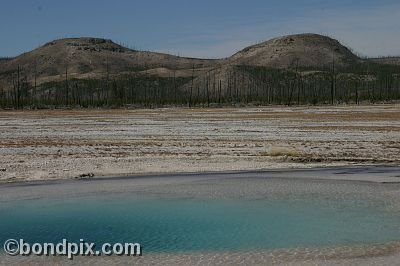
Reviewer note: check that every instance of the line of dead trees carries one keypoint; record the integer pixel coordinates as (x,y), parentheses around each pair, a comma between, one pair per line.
(239,85)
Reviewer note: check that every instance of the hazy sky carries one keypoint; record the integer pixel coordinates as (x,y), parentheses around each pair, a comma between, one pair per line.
(200,28)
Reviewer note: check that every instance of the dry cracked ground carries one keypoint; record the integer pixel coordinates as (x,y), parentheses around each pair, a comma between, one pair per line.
(53,144)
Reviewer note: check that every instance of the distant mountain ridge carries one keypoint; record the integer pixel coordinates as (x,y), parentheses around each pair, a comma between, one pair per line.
(104,69)
(95,57)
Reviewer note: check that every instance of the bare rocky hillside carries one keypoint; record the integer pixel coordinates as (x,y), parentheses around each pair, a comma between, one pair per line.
(91,57)
(306,50)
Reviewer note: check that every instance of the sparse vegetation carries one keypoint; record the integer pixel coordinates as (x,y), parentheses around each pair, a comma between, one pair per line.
(277,151)
(157,80)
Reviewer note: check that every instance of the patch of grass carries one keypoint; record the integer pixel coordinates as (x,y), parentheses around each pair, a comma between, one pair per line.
(277,151)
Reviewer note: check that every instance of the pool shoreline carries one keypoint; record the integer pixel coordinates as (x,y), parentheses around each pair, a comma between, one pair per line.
(360,169)
(375,183)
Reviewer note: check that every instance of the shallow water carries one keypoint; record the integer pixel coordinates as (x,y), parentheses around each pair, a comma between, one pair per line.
(179,224)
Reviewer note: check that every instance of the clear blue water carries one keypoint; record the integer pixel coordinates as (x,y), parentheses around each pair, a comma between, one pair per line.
(174,225)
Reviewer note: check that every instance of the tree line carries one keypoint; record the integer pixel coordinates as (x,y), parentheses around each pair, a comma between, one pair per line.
(334,84)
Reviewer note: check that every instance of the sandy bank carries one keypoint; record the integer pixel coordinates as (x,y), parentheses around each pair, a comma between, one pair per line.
(37,145)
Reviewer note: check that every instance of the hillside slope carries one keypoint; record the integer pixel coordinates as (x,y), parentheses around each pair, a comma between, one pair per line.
(386,60)
(287,52)
(306,50)
(92,57)
(284,70)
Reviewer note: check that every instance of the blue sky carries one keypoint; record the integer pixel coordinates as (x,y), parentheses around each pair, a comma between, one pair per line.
(201,28)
